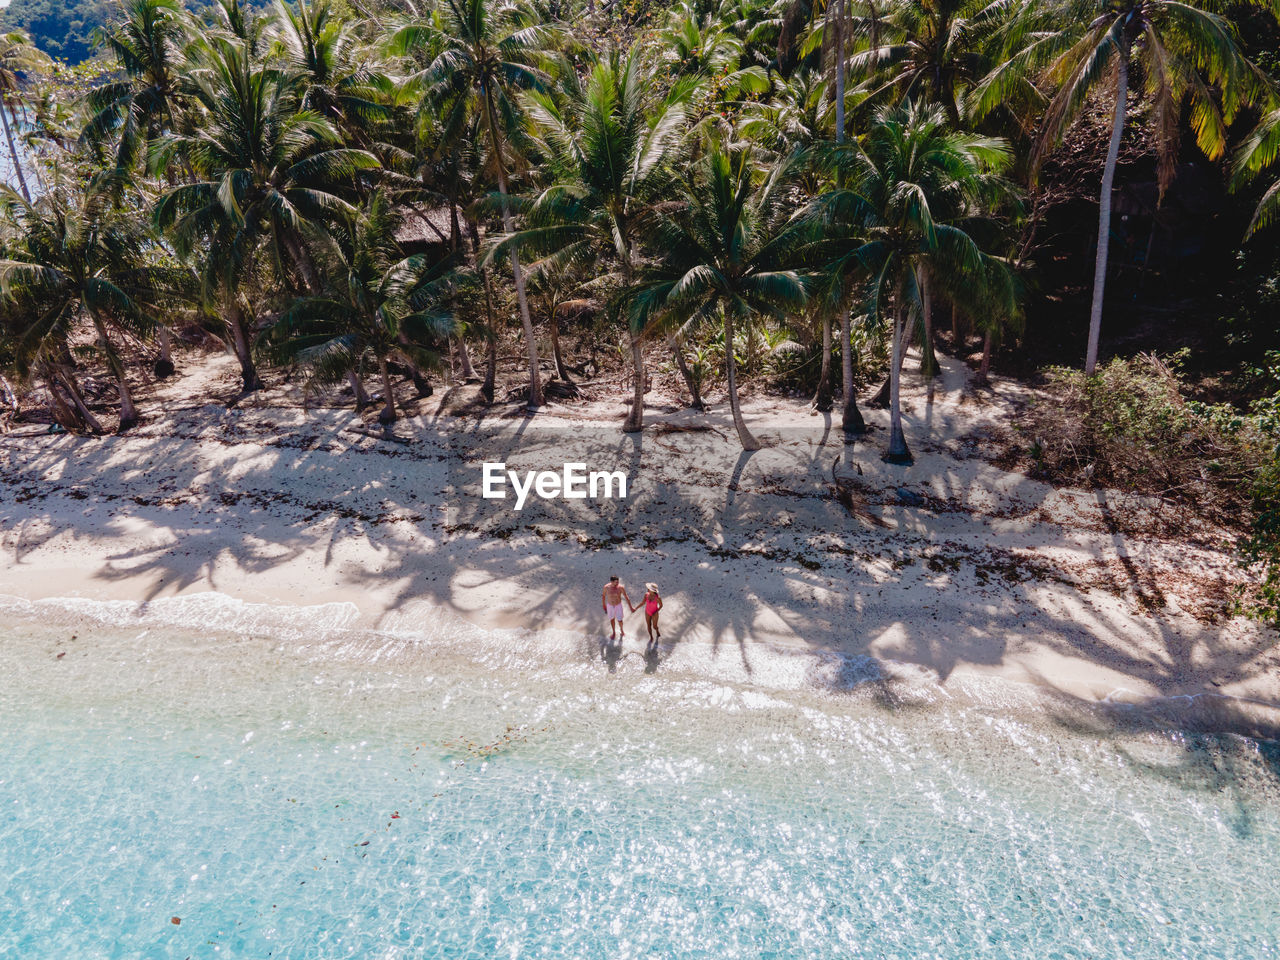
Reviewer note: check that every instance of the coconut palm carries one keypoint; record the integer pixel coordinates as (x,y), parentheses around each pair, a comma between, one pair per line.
(1182,48)
(905,224)
(939,50)
(799,117)
(267,174)
(1259,151)
(608,146)
(383,308)
(722,252)
(325,51)
(483,52)
(18,55)
(73,261)
(135,109)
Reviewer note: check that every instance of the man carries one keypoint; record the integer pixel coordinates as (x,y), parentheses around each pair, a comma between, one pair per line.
(611,599)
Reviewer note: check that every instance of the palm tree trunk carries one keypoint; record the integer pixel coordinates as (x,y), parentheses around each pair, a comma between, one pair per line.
(928,359)
(985,368)
(744,435)
(822,396)
(128,412)
(881,398)
(1104,207)
(635,418)
(455,229)
(553,323)
(163,367)
(838,8)
(957,344)
(63,413)
(421,385)
(490,369)
(695,394)
(13,152)
(897,452)
(388,414)
(249,379)
(465,369)
(68,381)
(357,390)
(535,383)
(851,421)
(491,344)
(301,258)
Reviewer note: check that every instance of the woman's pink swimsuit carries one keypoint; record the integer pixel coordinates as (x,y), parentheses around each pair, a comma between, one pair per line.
(651,607)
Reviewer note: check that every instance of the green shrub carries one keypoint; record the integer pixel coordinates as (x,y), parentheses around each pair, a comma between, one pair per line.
(1261,551)
(1130,426)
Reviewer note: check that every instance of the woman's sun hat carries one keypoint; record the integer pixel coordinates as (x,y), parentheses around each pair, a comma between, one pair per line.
(651,587)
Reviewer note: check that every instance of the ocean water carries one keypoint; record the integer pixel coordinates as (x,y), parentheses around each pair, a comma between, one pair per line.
(215,782)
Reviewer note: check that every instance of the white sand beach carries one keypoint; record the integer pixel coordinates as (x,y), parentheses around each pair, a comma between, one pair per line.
(951,567)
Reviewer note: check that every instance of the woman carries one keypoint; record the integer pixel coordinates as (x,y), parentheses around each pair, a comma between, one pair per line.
(652,603)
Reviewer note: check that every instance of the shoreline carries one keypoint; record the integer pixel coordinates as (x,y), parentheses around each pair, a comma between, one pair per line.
(337,629)
(954,569)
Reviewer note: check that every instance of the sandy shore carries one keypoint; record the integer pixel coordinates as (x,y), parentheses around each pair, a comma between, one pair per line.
(952,566)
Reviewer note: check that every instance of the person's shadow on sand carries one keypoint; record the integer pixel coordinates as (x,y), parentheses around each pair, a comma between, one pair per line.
(611,652)
(651,658)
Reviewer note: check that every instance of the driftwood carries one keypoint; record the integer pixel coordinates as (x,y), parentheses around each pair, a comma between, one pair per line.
(551,389)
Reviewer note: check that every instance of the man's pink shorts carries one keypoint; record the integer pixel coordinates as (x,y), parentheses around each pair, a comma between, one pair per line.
(614,610)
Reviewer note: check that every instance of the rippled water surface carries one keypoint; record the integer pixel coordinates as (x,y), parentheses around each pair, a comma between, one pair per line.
(283,797)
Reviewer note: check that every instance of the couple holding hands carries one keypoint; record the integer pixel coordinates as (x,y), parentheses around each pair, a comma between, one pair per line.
(612,599)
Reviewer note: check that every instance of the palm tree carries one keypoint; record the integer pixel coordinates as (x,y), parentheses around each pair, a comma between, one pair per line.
(325,52)
(383,308)
(1179,46)
(939,50)
(18,55)
(904,226)
(796,118)
(1256,154)
(148,45)
(833,33)
(608,146)
(723,251)
(267,173)
(485,51)
(73,260)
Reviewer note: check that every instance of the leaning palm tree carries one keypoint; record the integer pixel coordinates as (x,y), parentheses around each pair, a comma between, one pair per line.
(267,174)
(723,251)
(609,145)
(904,227)
(1182,47)
(74,262)
(483,52)
(18,55)
(383,308)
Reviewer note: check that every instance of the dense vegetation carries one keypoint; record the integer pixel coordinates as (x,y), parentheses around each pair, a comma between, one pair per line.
(61,28)
(749,189)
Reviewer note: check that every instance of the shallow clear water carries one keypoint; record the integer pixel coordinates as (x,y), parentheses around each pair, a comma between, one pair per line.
(285,796)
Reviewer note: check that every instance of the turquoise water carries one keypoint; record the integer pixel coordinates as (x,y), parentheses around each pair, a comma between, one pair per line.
(294,798)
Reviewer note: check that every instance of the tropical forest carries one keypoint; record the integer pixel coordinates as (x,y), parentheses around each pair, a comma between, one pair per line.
(544,199)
